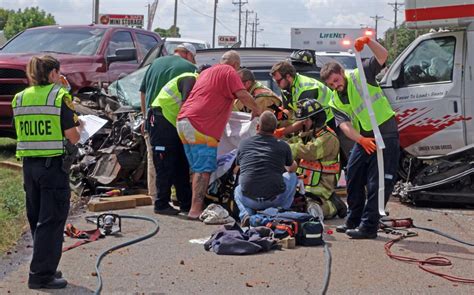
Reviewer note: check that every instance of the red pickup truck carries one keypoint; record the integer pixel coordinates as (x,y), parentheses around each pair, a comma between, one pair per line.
(91,57)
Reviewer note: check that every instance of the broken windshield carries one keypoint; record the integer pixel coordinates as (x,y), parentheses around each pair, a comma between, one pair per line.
(127,89)
(79,41)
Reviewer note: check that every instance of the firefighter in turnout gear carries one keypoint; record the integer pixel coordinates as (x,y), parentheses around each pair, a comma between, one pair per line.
(44,119)
(317,155)
(265,98)
(296,87)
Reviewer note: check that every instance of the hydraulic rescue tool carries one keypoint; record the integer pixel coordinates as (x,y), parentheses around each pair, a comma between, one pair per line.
(109,223)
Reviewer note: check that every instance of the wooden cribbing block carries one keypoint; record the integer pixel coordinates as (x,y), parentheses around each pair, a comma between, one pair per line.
(140,200)
(96,205)
(117,203)
(288,243)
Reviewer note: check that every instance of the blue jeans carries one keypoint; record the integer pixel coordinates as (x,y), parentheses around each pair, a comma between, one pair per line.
(362,171)
(248,206)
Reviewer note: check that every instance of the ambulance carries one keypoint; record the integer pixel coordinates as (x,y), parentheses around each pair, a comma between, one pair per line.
(330,40)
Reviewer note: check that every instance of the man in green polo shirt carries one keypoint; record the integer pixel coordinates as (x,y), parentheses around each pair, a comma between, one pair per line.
(160,72)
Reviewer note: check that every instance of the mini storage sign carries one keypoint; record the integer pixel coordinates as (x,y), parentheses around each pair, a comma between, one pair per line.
(129,20)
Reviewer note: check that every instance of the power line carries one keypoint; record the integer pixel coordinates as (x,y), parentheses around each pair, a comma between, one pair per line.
(210,16)
(195,10)
(226,27)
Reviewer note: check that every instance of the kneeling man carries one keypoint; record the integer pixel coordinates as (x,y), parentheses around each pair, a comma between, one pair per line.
(267,171)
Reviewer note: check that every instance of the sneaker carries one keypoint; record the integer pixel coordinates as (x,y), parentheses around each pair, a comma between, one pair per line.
(56,283)
(167,211)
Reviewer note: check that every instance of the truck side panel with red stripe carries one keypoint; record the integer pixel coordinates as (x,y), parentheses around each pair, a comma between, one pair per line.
(430,85)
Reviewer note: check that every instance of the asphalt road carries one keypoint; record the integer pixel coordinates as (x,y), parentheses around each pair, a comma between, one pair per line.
(170,264)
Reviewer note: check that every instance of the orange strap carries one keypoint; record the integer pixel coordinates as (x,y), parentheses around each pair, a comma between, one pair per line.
(87,236)
(290,228)
(317,166)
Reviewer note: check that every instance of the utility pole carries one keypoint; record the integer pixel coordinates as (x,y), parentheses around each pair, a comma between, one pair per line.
(214,26)
(376,18)
(247,12)
(395,6)
(151,14)
(252,30)
(256,28)
(175,22)
(240,3)
(95,11)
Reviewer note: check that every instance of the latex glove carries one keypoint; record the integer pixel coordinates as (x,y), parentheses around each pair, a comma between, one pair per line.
(368,143)
(279,133)
(283,114)
(360,42)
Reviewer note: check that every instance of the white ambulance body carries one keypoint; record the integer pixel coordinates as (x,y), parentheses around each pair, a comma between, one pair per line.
(430,85)
(329,39)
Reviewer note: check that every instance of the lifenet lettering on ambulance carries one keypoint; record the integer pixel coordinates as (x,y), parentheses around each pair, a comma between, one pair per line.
(34,127)
(332,35)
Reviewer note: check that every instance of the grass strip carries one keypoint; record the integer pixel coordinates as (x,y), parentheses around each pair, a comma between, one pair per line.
(12,198)
(7,149)
(12,208)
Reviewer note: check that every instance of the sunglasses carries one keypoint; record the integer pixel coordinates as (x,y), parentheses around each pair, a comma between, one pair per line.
(277,80)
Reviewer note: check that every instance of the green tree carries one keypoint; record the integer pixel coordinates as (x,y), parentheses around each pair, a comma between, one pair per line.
(171,32)
(404,37)
(29,18)
(4,13)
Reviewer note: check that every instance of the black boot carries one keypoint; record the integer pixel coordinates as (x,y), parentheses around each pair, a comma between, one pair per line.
(56,283)
(344,227)
(361,233)
(341,207)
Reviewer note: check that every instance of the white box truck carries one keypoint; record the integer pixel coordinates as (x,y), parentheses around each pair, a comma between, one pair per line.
(329,39)
(430,86)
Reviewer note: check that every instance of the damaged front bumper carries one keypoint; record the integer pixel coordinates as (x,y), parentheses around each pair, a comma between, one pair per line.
(114,157)
(448,179)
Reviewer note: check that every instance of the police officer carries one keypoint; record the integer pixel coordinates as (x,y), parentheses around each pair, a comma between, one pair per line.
(317,154)
(353,119)
(44,118)
(298,87)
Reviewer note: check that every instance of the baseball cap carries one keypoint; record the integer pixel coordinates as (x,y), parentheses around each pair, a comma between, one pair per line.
(186,46)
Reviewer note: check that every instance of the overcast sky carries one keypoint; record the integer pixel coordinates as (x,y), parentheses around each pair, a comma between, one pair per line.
(195,17)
